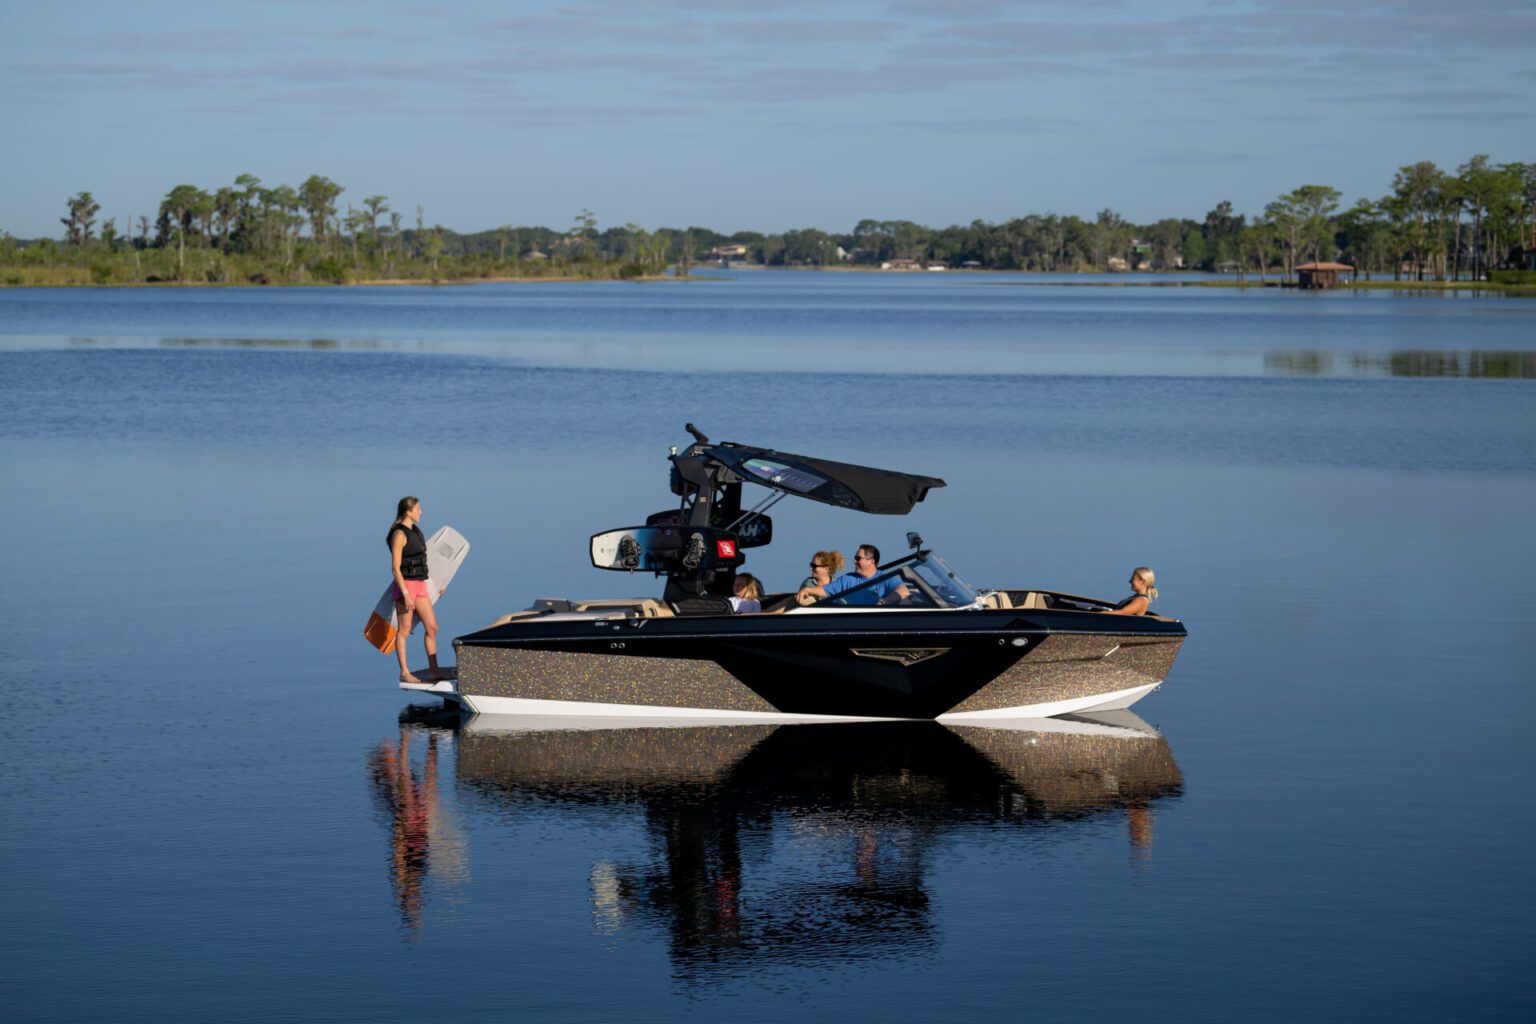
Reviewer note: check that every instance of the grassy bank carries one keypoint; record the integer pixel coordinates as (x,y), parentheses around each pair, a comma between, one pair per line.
(1471,287)
(74,268)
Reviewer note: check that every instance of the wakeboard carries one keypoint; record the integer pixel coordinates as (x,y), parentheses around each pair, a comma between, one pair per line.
(666,549)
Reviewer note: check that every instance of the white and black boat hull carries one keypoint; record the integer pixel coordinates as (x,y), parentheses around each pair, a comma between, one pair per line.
(952,665)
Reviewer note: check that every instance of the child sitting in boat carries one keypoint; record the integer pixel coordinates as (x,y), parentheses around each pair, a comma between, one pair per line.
(746,594)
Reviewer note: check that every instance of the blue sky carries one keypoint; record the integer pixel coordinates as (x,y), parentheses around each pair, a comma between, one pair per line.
(765,116)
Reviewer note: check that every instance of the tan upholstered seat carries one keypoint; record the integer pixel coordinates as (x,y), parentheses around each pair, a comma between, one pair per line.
(646,607)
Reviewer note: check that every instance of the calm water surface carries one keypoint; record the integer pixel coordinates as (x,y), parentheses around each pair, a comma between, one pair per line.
(889,323)
(216,809)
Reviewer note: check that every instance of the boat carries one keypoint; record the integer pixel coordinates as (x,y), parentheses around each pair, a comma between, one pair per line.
(948,650)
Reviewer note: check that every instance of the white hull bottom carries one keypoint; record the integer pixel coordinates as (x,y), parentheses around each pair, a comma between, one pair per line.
(1113,701)
(444,687)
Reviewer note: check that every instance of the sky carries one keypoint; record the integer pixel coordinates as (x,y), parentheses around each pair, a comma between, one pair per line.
(763,116)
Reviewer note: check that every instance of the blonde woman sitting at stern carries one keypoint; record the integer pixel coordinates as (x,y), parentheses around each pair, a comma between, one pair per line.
(1144,592)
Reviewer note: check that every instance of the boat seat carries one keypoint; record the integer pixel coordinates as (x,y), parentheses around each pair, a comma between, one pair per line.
(1034,599)
(516,616)
(999,599)
(547,604)
(647,607)
(707,604)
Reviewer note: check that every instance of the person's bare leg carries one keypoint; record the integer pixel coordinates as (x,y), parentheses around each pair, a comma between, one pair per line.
(429,628)
(402,638)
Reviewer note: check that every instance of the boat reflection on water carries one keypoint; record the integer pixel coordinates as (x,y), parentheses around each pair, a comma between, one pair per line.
(803,843)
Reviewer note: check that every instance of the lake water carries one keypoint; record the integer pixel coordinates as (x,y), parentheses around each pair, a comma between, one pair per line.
(216,808)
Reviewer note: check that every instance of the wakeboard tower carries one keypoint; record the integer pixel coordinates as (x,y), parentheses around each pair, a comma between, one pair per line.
(700,546)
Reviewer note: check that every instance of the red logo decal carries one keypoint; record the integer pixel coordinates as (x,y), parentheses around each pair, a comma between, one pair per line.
(725,548)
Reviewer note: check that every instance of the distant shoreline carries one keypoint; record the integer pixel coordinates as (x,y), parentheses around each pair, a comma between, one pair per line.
(374,283)
(1087,279)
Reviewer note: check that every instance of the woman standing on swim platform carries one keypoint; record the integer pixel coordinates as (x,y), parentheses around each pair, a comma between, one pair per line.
(408,563)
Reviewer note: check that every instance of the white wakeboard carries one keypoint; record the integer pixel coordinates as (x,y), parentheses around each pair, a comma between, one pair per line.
(445,553)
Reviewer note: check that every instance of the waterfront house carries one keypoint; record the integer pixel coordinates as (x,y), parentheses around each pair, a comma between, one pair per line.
(1322,275)
(726,253)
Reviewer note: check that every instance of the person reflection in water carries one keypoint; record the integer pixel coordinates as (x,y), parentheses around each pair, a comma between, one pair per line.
(1143,593)
(411,804)
(408,565)
(423,837)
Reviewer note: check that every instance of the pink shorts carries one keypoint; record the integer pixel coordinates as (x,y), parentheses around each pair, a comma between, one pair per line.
(416,588)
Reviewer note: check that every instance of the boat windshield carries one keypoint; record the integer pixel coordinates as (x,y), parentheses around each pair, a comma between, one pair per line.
(948,584)
(929,580)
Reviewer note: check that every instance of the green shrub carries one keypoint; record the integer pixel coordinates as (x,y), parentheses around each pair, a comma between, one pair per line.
(330,270)
(1521,277)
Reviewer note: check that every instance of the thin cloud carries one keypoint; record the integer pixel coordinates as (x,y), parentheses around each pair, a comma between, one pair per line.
(809,31)
(984,126)
(94,75)
(1074,37)
(1421,96)
(573,35)
(1515,118)
(1203,157)
(993,9)
(821,82)
(581,115)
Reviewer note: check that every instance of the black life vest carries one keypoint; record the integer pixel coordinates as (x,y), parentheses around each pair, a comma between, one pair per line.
(413,557)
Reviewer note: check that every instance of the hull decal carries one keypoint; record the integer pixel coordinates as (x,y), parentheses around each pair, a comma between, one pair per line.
(900,655)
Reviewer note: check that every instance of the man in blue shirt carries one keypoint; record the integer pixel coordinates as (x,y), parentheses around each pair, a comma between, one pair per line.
(887,591)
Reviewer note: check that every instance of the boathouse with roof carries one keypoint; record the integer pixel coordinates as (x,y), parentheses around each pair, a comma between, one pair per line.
(1322,275)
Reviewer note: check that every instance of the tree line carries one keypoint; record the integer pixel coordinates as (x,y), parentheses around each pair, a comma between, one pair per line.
(1431,225)
(247,233)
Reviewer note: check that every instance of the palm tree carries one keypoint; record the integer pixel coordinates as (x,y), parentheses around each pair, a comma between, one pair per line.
(82,214)
(1416,187)
(318,197)
(180,208)
(376,206)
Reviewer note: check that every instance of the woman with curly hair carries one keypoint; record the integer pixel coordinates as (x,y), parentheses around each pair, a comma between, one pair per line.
(825,565)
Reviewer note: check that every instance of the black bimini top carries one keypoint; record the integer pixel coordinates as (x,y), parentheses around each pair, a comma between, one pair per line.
(862,488)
